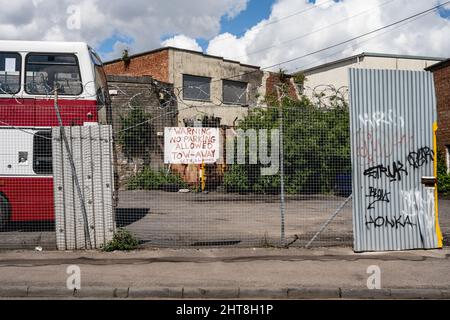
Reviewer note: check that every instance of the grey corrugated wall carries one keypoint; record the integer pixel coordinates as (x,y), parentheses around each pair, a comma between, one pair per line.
(91,148)
(393,116)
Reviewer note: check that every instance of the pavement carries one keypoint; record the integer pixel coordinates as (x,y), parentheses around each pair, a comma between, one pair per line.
(226,273)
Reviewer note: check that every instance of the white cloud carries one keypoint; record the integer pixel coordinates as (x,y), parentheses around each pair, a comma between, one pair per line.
(182,42)
(426,36)
(144,21)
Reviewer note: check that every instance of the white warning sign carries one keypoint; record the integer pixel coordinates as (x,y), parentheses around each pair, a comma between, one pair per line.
(183,145)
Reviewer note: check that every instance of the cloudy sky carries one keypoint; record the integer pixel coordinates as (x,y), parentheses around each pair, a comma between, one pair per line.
(260,32)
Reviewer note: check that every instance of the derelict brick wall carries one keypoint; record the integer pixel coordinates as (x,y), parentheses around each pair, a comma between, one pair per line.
(271,83)
(155,98)
(154,64)
(442,84)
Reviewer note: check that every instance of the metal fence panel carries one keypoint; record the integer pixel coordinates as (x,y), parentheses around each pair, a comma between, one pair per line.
(393,122)
(91,149)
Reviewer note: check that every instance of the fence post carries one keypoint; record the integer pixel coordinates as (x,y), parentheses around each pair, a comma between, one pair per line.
(282,197)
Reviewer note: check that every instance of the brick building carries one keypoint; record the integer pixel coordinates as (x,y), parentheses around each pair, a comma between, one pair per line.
(203,84)
(441,72)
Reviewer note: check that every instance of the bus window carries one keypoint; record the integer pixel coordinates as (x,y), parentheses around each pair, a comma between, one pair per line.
(101,86)
(42,153)
(10,66)
(44,71)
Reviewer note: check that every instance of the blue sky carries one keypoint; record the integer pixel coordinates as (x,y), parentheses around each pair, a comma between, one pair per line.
(258,10)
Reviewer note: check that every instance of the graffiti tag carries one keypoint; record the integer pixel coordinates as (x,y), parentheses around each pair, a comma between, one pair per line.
(381,118)
(422,157)
(378,195)
(385,221)
(371,148)
(414,205)
(394,172)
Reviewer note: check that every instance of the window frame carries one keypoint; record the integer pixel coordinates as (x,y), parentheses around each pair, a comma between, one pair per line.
(235,103)
(195,76)
(27,56)
(39,134)
(20,71)
(98,64)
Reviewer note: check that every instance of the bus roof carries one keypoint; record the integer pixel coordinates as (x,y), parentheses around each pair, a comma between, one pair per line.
(43,46)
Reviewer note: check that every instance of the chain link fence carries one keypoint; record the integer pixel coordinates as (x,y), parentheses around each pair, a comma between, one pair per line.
(249,197)
(280,178)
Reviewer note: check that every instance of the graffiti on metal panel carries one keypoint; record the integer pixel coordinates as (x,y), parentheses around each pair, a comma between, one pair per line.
(379,118)
(371,148)
(377,195)
(392,222)
(378,139)
(419,207)
(394,172)
(422,157)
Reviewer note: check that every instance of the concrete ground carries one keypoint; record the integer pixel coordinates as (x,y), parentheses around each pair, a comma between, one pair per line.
(227,273)
(210,220)
(171,219)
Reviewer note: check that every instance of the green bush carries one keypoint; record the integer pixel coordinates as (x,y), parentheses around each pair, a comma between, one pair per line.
(236,180)
(123,240)
(139,140)
(443,177)
(149,179)
(316,149)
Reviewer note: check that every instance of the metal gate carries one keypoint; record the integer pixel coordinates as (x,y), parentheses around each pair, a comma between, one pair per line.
(393,135)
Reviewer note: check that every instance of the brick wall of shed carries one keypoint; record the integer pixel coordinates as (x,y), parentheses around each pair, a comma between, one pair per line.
(442,84)
(151,95)
(154,64)
(273,80)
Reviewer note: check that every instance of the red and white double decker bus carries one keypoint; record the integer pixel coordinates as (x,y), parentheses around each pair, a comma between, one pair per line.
(29,73)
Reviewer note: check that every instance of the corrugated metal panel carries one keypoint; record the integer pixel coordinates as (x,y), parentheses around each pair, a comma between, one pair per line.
(91,147)
(393,114)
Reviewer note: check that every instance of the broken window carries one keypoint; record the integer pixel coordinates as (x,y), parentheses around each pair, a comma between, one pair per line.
(196,88)
(234,92)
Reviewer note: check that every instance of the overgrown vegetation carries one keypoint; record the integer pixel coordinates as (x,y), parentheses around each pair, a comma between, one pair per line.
(123,240)
(139,140)
(126,58)
(443,176)
(149,179)
(316,148)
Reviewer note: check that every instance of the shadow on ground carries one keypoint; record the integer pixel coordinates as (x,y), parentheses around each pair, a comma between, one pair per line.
(127,216)
(29,226)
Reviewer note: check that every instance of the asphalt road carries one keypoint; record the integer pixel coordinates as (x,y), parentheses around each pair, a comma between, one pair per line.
(215,219)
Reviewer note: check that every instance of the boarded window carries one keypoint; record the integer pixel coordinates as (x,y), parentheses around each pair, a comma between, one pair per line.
(196,88)
(234,92)
(10,65)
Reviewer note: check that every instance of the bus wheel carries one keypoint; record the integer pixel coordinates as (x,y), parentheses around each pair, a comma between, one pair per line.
(4,211)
